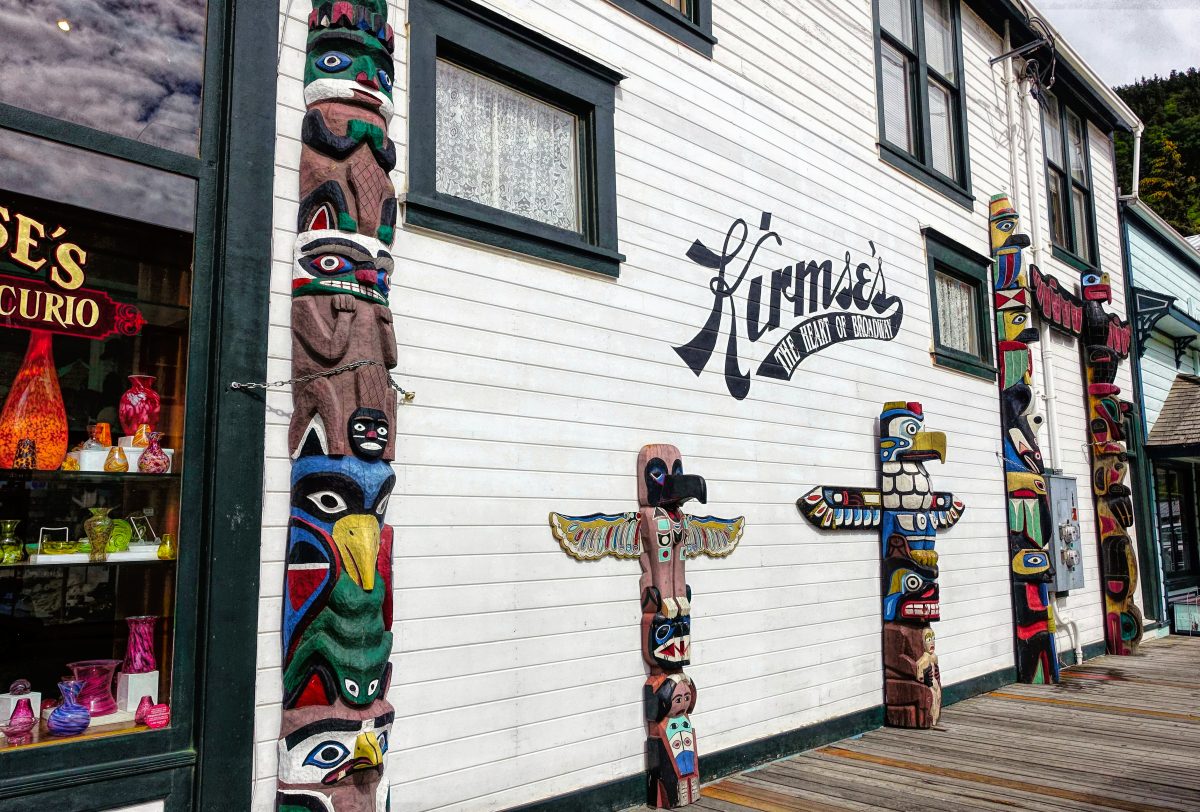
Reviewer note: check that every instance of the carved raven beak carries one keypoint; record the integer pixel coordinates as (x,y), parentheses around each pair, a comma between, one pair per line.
(679,488)
(927,445)
(357,539)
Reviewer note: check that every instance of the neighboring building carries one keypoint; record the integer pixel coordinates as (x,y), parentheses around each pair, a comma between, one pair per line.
(1164,271)
(570,174)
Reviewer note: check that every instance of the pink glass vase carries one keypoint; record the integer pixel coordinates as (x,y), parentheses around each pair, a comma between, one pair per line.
(154,460)
(139,651)
(22,720)
(34,409)
(139,404)
(96,676)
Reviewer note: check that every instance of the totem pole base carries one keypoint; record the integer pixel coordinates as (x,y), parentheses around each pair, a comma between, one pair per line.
(912,690)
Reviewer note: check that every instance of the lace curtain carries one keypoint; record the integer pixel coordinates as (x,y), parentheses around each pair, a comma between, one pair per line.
(956,315)
(502,148)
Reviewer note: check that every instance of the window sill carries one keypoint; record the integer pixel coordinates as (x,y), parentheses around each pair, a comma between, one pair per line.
(943,357)
(669,21)
(483,224)
(1071,259)
(905,163)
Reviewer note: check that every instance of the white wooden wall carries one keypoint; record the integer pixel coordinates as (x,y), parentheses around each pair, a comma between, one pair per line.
(517,669)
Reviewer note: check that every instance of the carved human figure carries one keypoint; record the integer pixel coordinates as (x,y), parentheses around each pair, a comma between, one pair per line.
(340,316)
(672,759)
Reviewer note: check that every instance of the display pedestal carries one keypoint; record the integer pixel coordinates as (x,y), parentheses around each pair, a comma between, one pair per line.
(132,687)
(8,702)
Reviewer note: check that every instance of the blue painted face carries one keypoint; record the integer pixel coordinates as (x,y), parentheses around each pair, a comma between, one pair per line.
(897,428)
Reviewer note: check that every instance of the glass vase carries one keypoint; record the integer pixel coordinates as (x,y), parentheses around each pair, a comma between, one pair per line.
(139,651)
(154,460)
(21,722)
(11,549)
(116,462)
(95,678)
(34,408)
(140,404)
(98,529)
(70,718)
(168,550)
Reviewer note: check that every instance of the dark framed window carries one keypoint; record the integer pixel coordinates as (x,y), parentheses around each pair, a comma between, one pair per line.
(1069,184)
(959,295)
(137,195)
(919,86)
(1175,500)
(511,142)
(689,21)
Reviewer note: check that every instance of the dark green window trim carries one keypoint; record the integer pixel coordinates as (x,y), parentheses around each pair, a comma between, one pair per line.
(216,639)
(953,259)
(919,163)
(1069,253)
(693,29)
(493,45)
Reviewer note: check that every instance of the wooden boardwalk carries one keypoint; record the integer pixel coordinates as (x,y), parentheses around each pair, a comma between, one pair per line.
(1119,733)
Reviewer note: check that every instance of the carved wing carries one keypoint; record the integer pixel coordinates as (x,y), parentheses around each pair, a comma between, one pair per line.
(597,535)
(711,536)
(840,508)
(946,510)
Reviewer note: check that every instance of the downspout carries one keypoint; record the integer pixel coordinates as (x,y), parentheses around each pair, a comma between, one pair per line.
(1137,159)
(1011,87)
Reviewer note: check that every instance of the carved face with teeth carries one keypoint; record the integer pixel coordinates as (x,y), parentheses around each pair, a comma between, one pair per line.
(332,262)
(668,641)
(911,591)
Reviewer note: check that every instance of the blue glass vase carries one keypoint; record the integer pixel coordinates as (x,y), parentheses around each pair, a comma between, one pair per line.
(70,718)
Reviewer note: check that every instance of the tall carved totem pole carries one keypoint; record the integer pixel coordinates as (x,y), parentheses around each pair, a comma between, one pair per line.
(1029,523)
(337,604)
(660,535)
(908,514)
(1105,344)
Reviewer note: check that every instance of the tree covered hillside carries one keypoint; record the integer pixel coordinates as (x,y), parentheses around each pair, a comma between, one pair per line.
(1170,109)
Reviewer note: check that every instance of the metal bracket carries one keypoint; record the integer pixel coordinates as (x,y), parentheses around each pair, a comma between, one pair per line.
(1182,345)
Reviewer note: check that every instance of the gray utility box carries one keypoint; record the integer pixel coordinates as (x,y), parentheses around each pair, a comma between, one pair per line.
(1066,545)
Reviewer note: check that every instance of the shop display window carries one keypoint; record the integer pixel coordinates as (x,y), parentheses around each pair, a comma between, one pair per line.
(95,294)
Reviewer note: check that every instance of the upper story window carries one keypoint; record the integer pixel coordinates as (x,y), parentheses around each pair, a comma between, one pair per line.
(960,295)
(515,147)
(689,21)
(1068,181)
(922,125)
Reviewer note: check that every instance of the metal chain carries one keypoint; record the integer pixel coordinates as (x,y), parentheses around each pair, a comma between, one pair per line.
(408,396)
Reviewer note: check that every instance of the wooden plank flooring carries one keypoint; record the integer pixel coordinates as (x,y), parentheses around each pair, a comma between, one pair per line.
(1119,733)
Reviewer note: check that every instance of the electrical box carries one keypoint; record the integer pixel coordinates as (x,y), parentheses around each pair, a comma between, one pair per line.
(1066,544)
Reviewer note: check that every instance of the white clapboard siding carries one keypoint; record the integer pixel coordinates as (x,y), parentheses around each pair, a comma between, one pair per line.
(517,669)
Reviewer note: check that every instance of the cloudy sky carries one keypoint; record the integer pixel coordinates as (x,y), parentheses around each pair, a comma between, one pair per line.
(1124,40)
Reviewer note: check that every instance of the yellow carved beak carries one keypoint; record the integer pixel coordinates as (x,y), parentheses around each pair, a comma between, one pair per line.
(366,747)
(930,442)
(357,539)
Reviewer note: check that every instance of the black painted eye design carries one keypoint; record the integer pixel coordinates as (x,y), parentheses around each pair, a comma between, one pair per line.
(1091,279)
(359,428)
(327,754)
(372,687)
(385,81)
(658,473)
(1005,225)
(351,687)
(328,501)
(333,61)
(911,428)
(912,582)
(662,634)
(381,431)
(382,738)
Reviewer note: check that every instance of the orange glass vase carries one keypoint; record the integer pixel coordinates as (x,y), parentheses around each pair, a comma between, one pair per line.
(34,408)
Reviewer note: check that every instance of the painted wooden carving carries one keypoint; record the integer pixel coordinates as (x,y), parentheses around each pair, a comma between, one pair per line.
(1029,524)
(661,536)
(337,604)
(908,514)
(1105,344)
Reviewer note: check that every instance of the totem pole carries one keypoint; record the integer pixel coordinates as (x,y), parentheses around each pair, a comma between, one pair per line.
(337,604)
(1105,344)
(908,515)
(1029,523)
(660,535)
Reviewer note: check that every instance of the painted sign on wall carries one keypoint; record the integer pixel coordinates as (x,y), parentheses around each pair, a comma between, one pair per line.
(828,306)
